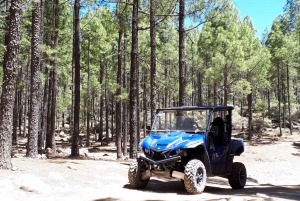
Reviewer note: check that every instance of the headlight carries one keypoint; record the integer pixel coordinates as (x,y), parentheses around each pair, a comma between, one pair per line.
(178,151)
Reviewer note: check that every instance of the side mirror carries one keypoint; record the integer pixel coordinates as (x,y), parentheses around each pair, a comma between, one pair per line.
(214,131)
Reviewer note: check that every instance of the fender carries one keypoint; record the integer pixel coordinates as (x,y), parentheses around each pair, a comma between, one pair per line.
(203,155)
(237,147)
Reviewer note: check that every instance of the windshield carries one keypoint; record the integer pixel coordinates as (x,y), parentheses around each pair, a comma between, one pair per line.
(181,120)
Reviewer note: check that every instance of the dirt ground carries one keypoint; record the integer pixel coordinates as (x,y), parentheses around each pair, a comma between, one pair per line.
(273,166)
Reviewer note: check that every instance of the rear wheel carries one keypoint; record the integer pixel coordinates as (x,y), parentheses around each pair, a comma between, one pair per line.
(135,171)
(238,177)
(195,177)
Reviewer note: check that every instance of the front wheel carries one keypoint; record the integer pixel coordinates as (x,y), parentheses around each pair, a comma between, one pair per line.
(195,177)
(135,171)
(238,177)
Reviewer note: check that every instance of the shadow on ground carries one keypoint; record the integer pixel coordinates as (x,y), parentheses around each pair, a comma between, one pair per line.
(222,190)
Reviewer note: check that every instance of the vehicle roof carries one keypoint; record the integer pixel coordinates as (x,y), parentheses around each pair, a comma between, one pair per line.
(212,107)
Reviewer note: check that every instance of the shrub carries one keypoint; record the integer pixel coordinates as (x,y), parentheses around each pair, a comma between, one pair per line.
(259,124)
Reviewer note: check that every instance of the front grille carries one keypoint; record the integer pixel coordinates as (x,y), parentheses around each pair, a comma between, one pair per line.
(159,155)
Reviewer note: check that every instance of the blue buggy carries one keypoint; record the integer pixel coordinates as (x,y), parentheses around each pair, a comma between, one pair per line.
(190,143)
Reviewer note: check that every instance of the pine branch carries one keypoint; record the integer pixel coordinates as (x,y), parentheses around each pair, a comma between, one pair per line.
(172,9)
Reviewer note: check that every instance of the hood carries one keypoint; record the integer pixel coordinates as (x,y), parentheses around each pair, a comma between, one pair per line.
(171,141)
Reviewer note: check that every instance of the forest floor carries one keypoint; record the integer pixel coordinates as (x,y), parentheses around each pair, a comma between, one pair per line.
(273,167)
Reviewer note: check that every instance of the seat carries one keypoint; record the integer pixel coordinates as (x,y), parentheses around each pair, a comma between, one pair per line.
(218,140)
(188,124)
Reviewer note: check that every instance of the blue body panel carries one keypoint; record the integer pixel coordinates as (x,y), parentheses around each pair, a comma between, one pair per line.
(237,146)
(172,141)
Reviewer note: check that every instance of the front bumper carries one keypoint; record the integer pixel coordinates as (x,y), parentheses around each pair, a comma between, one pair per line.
(157,162)
(161,173)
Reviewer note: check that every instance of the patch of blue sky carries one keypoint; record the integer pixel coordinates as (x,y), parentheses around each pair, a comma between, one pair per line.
(261,12)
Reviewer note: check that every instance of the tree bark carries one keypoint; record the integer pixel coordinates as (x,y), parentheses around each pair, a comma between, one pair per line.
(106,110)
(44,114)
(269,103)
(225,85)
(283,100)
(119,100)
(35,82)
(88,100)
(279,99)
(145,102)
(54,78)
(200,101)
(289,99)
(15,119)
(6,33)
(101,104)
(153,59)
(133,82)
(9,84)
(41,133)
(76,56)
(49,106)
(182,64)
(249,99)
(125,104)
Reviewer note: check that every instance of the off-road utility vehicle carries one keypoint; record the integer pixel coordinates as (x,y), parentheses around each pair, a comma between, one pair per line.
(190,143)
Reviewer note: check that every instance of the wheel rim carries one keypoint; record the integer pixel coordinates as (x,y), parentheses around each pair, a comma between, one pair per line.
(140,171)
(199,177)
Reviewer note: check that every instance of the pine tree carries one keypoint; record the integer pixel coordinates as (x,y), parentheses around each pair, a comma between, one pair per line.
(76,57)
(9,84)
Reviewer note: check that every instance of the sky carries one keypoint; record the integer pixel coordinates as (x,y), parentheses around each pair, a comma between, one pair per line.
(261,12)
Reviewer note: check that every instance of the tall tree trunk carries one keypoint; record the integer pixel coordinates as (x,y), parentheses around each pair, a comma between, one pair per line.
(133,82)
(15,119)
(283,91)
(44,114)
(225,86)
(106,116)
(52,91)
(193,77)
(153,58)
(107,109)
(35,82)
(182,64)
(138,106)
(26,102)
(125,104)
(279,99)
(209,94)
(6,36)
(112,130)
(289,99)
(101,104)
(119,101)
(54,74)
(249,99)
(41,134)
(88,100)
(20,97)
(145,102)
(200,101)
(9,84)
(215,101)
(166,88)
(269,103)
(76,56)
(49,106)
